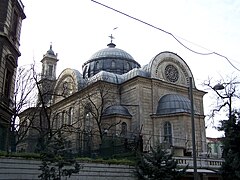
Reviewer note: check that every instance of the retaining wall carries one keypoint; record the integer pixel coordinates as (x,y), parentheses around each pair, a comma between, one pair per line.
(14,169)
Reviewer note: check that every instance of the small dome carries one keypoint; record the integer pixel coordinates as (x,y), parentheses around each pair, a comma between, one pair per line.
(173,103)
(109,59)
(116,110)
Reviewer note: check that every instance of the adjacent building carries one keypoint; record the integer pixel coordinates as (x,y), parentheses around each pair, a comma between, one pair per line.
(11,16)
(215,147)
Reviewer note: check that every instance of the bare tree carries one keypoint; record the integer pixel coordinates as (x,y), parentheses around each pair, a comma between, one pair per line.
(38,122)
(227,94)
(31,116)
(24,96)
(96,101)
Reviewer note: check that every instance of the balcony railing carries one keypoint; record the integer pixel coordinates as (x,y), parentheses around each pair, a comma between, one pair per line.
(207,163)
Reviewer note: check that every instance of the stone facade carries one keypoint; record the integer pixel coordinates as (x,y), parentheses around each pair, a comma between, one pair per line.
(11,16)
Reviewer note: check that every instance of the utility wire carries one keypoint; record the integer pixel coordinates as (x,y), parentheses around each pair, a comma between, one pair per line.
(148,24)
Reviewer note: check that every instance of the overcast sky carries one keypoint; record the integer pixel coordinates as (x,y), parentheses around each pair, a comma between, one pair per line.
(79,28)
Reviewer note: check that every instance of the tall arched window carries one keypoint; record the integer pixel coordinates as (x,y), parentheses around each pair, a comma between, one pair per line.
(168,132)
(124,129)
(63,119)
(8,76)
(87,122)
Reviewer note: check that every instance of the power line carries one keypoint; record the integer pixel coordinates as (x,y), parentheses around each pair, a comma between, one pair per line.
(148,24)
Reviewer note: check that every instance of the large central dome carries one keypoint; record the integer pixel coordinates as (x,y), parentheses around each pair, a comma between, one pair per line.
(109,59)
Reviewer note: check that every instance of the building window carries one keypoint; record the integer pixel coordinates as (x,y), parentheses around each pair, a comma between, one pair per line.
(124,129)
(128,66)
(113,64)
(50,70)
(15,20)
(62,122)
(97,65)
(3,134)
(8,82)
(168,132)
(57,120)
(8,76)
(87,123)
(87,138)
(70,116)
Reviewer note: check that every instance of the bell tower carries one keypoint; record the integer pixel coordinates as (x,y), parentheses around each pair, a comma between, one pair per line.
(48,77)
(49,64)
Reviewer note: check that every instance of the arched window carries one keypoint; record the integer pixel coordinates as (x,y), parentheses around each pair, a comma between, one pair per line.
(168,132)
(50,70)
(87,136)
(124,129)
(128,66)
(97,65)
(63,119)
(113,64)
(8,76)
(57,120)
(70,116)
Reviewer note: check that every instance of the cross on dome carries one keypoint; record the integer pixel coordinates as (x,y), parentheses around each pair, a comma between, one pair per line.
(111,37)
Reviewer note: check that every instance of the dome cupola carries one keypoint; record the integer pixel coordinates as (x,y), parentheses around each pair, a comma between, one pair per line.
(110,59)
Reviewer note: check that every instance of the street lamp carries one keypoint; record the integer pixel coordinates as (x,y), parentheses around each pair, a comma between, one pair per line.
(219,87)
(193,130)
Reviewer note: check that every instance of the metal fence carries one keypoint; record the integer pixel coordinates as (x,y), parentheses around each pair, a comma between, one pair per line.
(112,145)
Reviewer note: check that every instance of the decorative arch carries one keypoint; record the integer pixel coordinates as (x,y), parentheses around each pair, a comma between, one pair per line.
(69,81)
(170,67)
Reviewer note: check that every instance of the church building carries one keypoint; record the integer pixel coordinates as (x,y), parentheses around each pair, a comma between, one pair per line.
(115,95)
